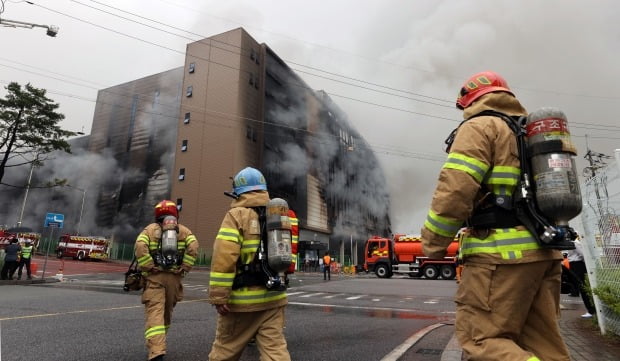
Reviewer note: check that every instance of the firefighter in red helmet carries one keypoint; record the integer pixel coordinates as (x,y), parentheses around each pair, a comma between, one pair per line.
(165,251)
(508,296)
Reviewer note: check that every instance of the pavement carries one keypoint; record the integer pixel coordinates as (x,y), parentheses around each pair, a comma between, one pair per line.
(582,336)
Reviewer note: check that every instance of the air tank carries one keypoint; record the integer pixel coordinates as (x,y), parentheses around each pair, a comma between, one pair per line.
(169,240)
(553,169)
(279,255)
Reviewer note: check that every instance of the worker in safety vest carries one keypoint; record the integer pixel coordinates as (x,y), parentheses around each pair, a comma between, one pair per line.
(508,297)
(26,257)
(246,308)
(327,261)
(164,270)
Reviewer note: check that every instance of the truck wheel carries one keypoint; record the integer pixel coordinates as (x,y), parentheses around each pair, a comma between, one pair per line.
(448,272)
(382,271)
(81,256)
(430,272)
(59,254)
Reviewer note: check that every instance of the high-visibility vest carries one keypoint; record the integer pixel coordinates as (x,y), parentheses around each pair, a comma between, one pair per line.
(26,252)
(327,260)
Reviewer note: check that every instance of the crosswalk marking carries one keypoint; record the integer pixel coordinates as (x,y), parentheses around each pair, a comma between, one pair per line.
(313,294)
(334,295)
(355,297)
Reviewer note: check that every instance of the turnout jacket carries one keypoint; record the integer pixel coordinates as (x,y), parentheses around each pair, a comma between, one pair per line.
(483,158)
(147,244)
(236,243)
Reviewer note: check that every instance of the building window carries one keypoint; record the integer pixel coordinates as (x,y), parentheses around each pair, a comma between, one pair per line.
(179,204)
(250,133)
(253,54)
(192,67)
(251,81)
(186,119)
(184,145)
(181,174)
(190,90)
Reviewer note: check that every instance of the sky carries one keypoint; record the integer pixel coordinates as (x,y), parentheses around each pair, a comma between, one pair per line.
(394,66)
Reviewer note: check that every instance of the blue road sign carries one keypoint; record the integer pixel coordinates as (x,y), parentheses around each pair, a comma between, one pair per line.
(54,220)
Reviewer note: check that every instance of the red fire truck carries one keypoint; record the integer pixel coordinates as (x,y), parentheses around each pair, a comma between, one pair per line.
(6,236)
(82,248)
(404,255)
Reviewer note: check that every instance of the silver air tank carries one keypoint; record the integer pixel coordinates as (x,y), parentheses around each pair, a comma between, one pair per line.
(279,255)
(169,240)
(553,167)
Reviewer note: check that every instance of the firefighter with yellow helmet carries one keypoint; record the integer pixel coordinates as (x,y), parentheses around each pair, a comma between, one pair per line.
(165,252)
(248,302)
(508,297)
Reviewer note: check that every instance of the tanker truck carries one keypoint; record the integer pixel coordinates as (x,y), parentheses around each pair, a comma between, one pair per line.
(403,255)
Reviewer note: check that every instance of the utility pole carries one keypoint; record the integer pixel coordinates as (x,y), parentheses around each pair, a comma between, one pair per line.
(596,161)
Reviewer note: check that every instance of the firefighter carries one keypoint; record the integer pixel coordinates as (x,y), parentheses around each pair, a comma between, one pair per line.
(25,259)
(245,307)
(164,272)
(508,298)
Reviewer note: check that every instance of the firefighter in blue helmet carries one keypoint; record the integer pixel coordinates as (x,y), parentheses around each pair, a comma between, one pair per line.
(246,308)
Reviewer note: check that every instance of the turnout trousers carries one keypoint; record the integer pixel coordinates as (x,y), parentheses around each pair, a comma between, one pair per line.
(235,329)
(162,292)
(510,312)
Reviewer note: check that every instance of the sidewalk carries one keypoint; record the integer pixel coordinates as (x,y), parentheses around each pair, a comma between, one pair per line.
(582,336)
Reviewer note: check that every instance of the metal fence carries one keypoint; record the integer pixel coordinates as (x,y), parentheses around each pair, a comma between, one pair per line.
(601,243)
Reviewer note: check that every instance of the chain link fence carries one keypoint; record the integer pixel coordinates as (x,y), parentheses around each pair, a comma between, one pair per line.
(601,244)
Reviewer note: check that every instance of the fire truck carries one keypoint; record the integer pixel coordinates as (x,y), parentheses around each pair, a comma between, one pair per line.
(403,255)
(6,236)
(82,248)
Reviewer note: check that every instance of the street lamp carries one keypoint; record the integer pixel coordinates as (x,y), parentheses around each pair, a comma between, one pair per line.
(52,30)
(81,208)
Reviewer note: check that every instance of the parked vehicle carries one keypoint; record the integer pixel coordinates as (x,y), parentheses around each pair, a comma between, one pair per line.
(82,248)
(403,255)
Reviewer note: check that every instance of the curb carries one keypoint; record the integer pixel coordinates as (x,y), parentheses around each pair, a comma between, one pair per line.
(453,351)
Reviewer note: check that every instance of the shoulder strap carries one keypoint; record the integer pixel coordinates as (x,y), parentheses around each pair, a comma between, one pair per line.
(515,123)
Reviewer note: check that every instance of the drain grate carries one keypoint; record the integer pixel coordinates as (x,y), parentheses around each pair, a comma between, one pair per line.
(429,351)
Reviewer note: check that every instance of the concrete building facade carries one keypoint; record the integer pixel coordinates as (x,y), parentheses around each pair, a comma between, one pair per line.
(184,133)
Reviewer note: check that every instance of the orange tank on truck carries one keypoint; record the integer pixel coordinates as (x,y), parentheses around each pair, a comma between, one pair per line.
(82,248)
(403,254)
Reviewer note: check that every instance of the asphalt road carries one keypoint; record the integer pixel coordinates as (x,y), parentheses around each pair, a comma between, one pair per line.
(88,317)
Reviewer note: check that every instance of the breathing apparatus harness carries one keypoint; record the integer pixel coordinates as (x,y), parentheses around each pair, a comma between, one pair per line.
(167,254)
(498,211)
(259,272)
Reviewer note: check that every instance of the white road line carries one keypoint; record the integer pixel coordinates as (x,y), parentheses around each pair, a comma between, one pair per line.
(334,295)
(412,340)
(294,293)
(355,297)
(313,294)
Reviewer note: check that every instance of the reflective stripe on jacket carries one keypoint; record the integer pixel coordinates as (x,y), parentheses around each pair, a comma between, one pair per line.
(483,158)
(237,240)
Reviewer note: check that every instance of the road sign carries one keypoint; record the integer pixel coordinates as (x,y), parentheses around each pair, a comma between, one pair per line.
(54,220)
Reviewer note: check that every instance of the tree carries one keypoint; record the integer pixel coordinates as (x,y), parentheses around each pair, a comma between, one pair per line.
(29,127)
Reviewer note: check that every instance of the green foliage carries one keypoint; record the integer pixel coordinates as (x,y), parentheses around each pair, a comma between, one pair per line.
(608,291)
(29,125)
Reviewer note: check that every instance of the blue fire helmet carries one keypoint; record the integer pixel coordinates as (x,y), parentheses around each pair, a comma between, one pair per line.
(247,180)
